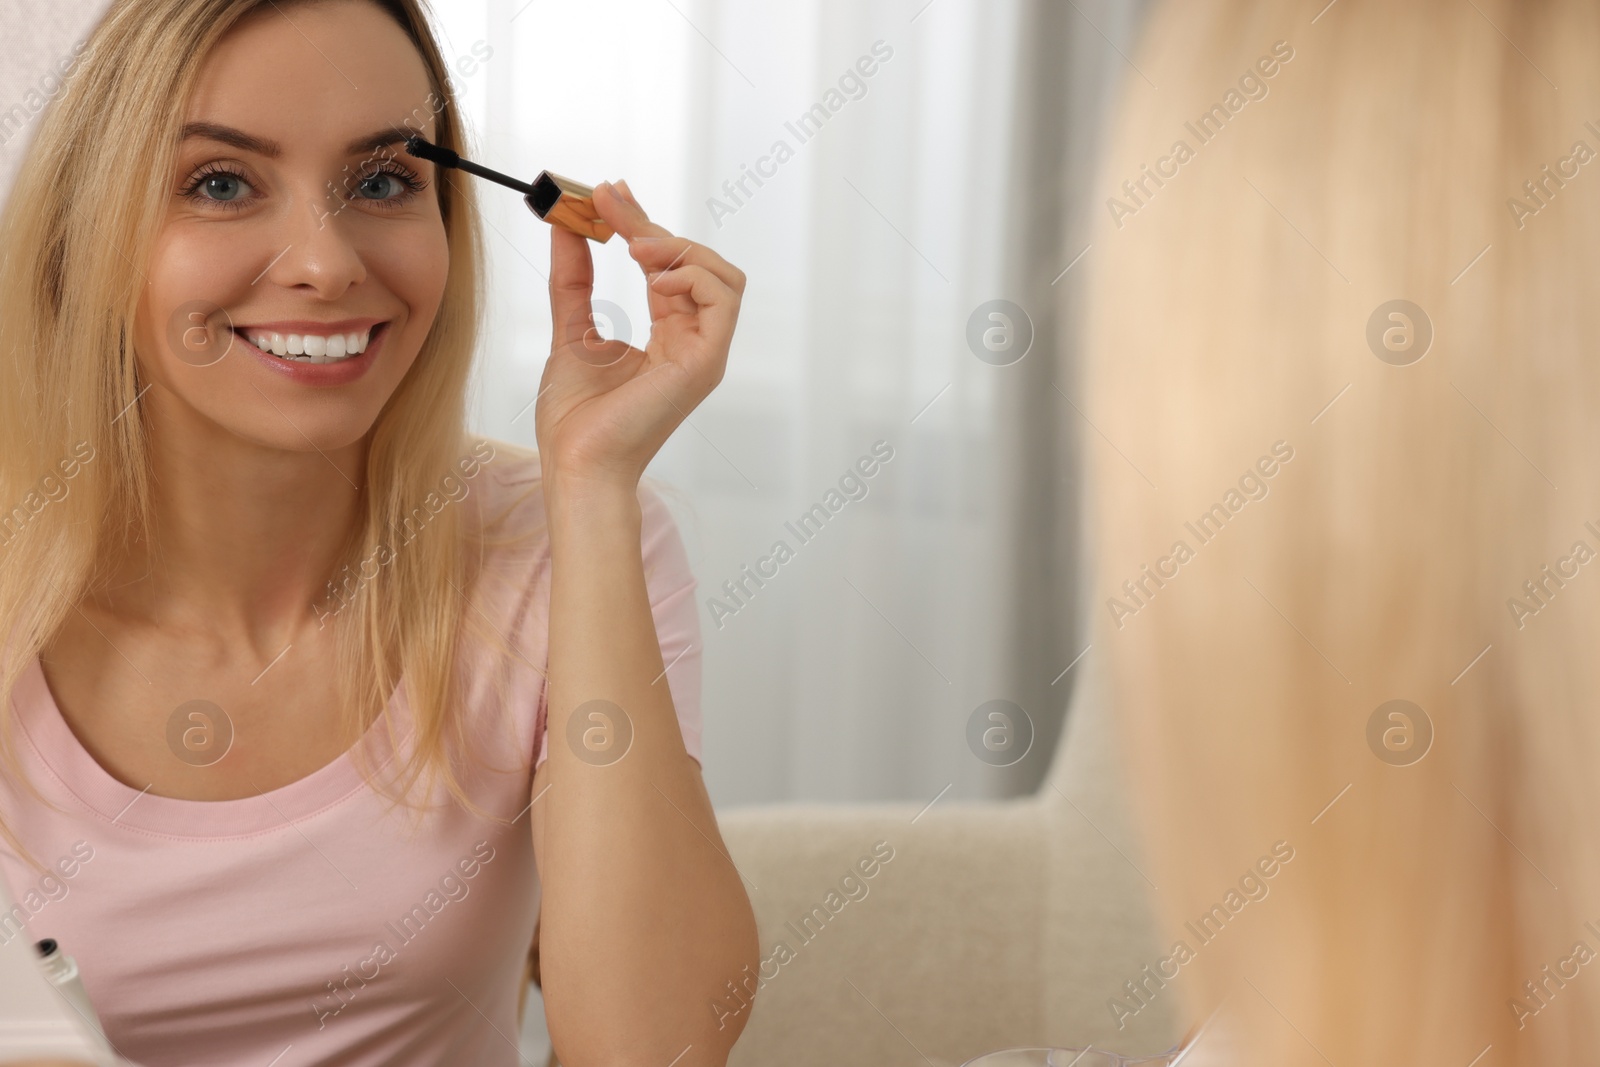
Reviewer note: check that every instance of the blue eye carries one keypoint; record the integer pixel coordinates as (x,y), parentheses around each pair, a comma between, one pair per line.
(223,186)
(380,186)
(390,185)
(220,184)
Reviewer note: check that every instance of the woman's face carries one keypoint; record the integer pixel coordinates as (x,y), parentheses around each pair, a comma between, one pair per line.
(293,223)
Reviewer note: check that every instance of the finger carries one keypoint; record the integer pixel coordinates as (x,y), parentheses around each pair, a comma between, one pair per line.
(571,286)
(716,304)
(624,215)
(663,304)
(678,249)
(666,253)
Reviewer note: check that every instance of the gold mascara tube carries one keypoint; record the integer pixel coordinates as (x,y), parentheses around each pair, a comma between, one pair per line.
(557,200)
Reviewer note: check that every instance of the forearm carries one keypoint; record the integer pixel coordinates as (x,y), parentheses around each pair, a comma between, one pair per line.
(644,918)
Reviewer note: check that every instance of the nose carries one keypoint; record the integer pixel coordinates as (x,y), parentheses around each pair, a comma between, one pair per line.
(316,252)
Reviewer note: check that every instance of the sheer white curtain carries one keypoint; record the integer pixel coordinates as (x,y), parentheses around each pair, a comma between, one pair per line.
(872,236)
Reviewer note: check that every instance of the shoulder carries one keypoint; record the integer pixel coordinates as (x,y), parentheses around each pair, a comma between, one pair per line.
(506,479)
(514,582)
(509,478)
(509,471)
(666,556)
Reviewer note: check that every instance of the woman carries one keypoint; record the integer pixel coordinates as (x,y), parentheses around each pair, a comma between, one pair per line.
(286,647)
(1352,313)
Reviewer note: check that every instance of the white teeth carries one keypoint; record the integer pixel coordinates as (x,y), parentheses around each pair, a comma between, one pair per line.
(310,347)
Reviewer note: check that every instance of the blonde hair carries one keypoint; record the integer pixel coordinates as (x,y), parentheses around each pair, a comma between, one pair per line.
(70,282)
(1238,301)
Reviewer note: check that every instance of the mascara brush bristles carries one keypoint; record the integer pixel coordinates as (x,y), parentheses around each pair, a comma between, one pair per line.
(444,157)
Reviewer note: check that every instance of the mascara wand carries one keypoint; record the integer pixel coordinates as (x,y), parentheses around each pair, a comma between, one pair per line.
(557,200)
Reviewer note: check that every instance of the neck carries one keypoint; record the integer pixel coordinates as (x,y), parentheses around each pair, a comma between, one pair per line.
(245,536)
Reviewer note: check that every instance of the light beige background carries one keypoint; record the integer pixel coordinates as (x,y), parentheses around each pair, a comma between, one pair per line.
(36,35)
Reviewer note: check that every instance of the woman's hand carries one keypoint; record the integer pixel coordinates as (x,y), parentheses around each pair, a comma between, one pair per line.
(605,408)
(639,937)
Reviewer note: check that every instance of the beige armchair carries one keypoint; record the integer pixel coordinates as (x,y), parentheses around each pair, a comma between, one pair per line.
(995,925)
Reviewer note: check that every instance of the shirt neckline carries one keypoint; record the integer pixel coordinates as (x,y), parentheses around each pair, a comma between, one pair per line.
(79,773)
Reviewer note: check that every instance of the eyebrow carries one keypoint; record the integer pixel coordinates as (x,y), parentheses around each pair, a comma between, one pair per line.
(211,131)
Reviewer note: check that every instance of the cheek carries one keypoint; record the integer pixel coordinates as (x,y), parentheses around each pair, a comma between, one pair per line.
(411,263)
(414,267)
(192,272)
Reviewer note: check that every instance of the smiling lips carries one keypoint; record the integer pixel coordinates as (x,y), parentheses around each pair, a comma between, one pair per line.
(307,343)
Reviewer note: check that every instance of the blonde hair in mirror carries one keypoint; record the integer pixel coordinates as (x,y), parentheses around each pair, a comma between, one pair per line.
(1443,870)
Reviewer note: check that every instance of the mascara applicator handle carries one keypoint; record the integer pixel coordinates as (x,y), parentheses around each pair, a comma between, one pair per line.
(557,200)
(568,204)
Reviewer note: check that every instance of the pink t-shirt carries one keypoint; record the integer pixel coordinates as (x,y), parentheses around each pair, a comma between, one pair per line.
(312,924)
